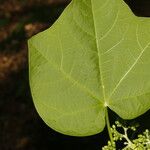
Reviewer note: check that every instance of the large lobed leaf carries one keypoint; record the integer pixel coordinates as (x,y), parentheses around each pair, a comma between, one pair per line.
(95,56)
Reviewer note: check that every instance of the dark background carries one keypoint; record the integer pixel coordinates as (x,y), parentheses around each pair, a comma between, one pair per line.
(20,126)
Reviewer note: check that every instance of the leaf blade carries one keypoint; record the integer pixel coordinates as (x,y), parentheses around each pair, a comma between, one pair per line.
(92,58)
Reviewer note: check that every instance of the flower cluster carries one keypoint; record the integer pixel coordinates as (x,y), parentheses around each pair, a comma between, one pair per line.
(141,143)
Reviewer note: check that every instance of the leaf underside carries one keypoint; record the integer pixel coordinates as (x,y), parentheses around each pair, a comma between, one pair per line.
(95,56)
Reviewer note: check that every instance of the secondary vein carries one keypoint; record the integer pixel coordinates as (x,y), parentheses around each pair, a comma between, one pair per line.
(129,70)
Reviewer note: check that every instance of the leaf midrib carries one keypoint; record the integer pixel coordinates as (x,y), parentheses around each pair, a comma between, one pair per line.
(98,51)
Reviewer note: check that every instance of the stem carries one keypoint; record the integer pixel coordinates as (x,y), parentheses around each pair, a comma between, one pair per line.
(129,142)
(108,126)
(126,136)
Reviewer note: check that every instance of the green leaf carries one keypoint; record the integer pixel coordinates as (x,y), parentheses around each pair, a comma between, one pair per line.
(97,55)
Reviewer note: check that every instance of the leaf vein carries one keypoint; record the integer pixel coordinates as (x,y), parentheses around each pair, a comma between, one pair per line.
(129,70)
(71,79)
(97,47)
